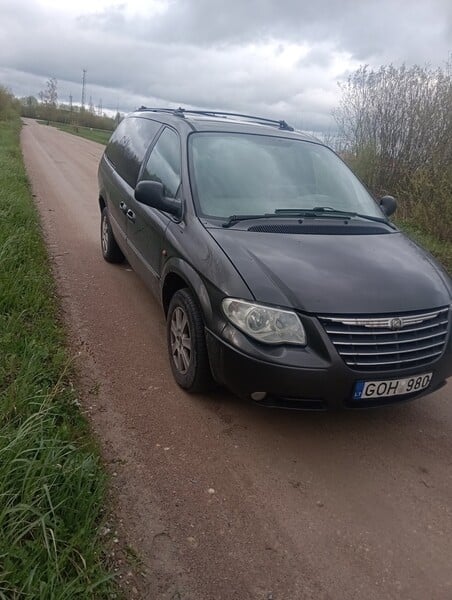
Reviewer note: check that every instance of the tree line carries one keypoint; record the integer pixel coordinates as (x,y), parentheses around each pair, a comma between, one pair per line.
(47,108)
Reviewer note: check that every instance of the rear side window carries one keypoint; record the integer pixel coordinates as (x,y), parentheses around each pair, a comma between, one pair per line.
(128,145)
(164,163)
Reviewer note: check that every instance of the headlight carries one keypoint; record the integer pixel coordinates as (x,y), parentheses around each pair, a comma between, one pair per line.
(264,323)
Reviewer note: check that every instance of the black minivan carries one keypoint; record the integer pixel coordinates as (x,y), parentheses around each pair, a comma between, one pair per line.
(280,276)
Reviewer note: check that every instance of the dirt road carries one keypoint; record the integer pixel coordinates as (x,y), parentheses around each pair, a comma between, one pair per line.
(221,499)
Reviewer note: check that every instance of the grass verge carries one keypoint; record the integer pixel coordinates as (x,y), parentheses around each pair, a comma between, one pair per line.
(441,249)
(52,484)
(101,136)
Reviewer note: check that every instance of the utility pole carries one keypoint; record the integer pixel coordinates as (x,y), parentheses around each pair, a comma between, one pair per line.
(83,89)
(100,107)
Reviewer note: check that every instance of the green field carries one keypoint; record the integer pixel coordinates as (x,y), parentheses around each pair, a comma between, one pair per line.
(95,135)
(52,484)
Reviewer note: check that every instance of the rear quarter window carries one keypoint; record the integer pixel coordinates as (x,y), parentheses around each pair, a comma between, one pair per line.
(128,145)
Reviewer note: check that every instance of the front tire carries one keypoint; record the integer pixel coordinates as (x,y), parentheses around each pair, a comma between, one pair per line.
(110,250)
(187,343)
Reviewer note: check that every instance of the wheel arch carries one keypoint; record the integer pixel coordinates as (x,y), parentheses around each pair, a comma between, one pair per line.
(102,203)
(178,274)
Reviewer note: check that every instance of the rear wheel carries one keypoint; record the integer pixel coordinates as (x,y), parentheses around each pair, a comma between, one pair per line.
(110,250)
(187,343)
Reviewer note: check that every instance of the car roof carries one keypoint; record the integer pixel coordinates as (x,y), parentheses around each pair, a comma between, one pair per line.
(227,122)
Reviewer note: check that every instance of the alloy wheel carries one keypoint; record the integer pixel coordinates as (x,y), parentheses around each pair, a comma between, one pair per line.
(180,340)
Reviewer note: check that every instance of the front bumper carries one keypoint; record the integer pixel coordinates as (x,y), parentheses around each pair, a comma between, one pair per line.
(329,384)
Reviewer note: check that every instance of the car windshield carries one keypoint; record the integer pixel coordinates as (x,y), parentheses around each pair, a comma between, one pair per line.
(243,174)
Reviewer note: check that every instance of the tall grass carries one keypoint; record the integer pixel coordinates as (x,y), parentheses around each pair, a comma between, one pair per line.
(424,194)
(9,106)
(52,485)
(395,131)
(424,199)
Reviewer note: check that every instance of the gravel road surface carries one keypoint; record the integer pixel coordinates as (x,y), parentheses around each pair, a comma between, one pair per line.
(222,499)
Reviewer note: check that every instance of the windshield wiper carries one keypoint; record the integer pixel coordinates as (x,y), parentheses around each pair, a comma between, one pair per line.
(322,211)
(278,214)
(236,218)
(318,211)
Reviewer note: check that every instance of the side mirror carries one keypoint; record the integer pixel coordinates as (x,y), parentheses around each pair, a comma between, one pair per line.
(150,193)
(388,205)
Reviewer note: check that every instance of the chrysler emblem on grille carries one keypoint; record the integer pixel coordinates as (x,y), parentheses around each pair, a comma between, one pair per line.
(395,324)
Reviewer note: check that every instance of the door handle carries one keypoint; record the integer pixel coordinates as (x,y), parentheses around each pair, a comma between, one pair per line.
(123,207)
(131,215)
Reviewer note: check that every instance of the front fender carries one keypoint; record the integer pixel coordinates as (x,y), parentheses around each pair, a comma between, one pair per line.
(185,271)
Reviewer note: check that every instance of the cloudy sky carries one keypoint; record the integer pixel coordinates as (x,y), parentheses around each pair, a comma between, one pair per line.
(280,58)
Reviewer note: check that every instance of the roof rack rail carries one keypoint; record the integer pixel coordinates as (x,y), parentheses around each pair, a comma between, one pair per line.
(181,112)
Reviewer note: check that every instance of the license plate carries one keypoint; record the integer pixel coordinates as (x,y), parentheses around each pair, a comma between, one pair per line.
(392,387)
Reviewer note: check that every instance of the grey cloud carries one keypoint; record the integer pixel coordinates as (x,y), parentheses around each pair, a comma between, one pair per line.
(212,54)
(365,28)
(111,19)
(318,56)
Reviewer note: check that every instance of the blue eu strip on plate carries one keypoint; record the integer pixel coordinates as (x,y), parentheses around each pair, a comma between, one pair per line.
(359,386)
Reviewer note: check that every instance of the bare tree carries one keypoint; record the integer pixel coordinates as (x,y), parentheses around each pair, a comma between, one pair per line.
(49,97)
(52,93)
(395,128)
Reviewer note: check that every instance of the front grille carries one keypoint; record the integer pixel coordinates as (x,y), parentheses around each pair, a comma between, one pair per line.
(380,343)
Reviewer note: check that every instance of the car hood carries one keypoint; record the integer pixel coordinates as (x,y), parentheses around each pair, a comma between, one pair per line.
(333,274)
